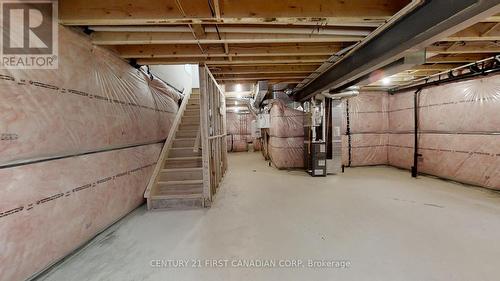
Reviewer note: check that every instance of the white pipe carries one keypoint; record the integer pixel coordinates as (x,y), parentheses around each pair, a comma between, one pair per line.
(209,29)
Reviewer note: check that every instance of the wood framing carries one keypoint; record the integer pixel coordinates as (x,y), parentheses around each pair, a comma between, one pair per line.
(137,38)
(213,133)
(250,50)
(85,12)
(246,40)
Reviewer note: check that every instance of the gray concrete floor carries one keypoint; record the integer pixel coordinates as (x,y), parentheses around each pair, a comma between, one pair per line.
(387,225)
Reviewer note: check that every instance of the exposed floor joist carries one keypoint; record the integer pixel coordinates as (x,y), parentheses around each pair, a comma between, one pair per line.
(260,39)
(251,50)
(239,61)
(113,12)
(263,69)
(426,24)
(483,31)
(137,38)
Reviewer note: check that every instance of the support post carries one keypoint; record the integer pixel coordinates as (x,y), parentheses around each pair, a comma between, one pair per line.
(416,99)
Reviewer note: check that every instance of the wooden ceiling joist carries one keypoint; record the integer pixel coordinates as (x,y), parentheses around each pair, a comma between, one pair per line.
(262,76)
(140,38)
(246,41)
(462,58)
(263,69)
(259,78)
(464,47)
(437,66)
(483,31)
(252,50)
(137,12)
(315,60)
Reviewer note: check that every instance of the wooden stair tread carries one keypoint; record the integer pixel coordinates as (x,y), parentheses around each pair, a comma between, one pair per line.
(179,182)
(181,169)
(184,158)
(185,196)
(185,182)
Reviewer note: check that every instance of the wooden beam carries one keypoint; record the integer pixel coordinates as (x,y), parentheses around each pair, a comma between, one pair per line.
(262,72)
(217,9)
(270,81)
(199,31)
(438,66)
(261,78)
(458,58)
(464,47)
(302,21)
(138,38)
(483,31)
(175,51)
(216,70)
(138,12)
(240,61)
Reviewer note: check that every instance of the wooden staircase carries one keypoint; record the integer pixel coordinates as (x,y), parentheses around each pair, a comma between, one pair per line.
(177,181)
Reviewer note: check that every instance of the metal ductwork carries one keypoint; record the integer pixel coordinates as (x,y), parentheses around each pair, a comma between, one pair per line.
(260,93)
(341,95)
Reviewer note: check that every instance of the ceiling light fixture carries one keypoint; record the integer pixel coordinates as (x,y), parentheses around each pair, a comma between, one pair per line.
(238,88)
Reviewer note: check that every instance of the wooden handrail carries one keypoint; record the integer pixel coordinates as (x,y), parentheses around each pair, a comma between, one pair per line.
(166,147)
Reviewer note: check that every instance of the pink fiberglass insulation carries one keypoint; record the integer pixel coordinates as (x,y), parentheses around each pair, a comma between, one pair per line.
(239,129)
(94,101)
(369,124)
(257,144)
(285,122)
(401,126)
(50,208)
(286,153)
(459,131)
(239,123)
(238,143)
(286,142)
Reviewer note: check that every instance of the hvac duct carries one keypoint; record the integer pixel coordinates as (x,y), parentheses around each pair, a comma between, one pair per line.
(337,96)
(260,93)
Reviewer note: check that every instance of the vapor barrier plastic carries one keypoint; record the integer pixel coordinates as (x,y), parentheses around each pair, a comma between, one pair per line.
(239,130)
(48,209)
(285,121)
(368,129)
(94,101)
(286,153)
(401,126)
(239,123)
(459,131)
(238,143)
(286,141)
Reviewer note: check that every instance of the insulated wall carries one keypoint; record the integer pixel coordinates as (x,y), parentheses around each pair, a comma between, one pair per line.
(48,209)
(94,101)
(78,146)
(459,131)
(365,143)
(286,141)
(239,130)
